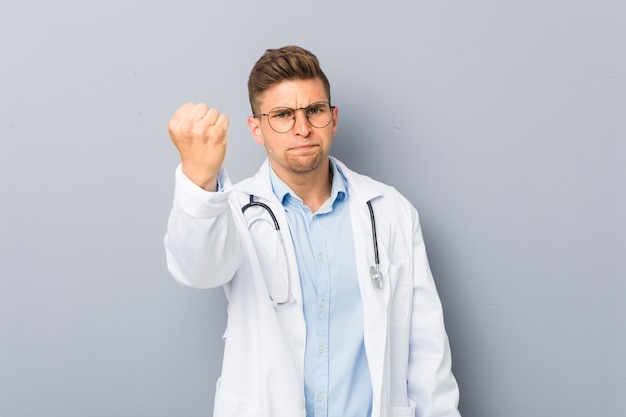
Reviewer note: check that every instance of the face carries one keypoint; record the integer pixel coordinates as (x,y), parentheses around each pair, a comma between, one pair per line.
(304,149)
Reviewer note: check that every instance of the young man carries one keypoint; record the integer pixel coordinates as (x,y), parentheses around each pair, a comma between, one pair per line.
(332,308)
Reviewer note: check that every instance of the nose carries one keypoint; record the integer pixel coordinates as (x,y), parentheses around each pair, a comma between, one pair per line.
(301,126)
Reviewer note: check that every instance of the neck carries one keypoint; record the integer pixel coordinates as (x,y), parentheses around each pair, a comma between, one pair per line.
(312,187)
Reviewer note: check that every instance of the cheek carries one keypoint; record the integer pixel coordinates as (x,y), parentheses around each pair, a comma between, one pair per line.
(269,145)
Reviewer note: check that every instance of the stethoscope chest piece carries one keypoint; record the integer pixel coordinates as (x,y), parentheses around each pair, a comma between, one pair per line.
(377,277)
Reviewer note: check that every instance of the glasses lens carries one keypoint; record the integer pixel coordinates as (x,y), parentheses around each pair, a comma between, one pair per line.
(281,119)
(319,114)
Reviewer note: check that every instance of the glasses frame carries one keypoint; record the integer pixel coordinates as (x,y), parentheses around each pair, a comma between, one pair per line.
(306,115)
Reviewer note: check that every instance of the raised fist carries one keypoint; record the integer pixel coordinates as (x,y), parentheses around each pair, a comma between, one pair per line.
(199,134)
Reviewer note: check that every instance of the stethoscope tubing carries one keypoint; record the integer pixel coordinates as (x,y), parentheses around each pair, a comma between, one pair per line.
(267,208)
(374,237)
(375,274)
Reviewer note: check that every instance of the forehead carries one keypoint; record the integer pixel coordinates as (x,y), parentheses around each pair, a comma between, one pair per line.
(294,93)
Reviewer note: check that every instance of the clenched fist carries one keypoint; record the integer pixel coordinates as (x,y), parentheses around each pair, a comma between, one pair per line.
(199,134)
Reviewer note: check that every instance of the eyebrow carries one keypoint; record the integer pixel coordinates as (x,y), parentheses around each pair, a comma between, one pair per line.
(303,107)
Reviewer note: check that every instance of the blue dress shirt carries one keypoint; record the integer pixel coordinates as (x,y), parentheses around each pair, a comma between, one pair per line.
(336,374)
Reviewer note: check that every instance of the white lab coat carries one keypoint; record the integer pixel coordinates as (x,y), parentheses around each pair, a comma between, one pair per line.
(209,243)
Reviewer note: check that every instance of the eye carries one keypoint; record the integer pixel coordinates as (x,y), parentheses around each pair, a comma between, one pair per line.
(283,113)
(317,108)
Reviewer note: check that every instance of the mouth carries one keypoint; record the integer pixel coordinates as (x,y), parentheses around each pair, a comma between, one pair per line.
(303,148)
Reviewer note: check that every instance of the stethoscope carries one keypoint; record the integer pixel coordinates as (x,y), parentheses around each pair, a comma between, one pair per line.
(375,274)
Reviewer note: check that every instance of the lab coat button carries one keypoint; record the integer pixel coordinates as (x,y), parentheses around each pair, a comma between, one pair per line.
(299,343)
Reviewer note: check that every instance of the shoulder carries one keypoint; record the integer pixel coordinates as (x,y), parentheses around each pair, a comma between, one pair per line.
(368,189)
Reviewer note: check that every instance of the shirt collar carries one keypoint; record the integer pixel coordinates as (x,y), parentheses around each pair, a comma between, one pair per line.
(338,192)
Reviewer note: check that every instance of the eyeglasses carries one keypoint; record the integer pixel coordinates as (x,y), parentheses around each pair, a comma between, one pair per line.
(282,119)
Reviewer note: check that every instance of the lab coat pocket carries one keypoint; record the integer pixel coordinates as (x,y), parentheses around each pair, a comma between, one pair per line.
(228,404)
(401,293)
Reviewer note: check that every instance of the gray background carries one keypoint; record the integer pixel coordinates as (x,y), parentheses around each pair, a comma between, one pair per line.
(503,122)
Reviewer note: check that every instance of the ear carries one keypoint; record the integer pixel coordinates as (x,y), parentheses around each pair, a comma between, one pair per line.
(335,120)
(254,124)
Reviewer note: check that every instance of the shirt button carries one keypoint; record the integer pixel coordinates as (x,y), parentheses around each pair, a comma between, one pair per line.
(323,304)
(320,257)
(321,349)
(320,397)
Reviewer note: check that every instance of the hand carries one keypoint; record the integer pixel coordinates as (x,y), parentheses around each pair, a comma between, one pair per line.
(199,134)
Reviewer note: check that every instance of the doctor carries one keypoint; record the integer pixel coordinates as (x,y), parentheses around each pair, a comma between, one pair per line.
(332,308)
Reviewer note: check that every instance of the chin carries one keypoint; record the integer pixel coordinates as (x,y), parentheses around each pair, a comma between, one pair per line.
(306,165)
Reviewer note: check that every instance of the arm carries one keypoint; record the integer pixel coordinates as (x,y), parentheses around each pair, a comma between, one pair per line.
(202,245)
(431,384)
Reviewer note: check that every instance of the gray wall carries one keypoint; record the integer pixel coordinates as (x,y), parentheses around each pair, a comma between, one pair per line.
(503,122)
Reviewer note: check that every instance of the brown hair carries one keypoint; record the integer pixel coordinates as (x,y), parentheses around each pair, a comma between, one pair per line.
(286,63)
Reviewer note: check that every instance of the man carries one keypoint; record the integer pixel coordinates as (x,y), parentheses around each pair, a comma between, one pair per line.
(332,307)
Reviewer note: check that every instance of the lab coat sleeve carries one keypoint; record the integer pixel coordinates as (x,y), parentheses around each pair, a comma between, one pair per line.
(431,384)
(201,244)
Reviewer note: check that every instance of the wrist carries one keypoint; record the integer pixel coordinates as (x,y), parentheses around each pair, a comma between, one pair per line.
(203,179)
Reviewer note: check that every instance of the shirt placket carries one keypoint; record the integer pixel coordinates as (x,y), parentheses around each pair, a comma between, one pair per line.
(322,277)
